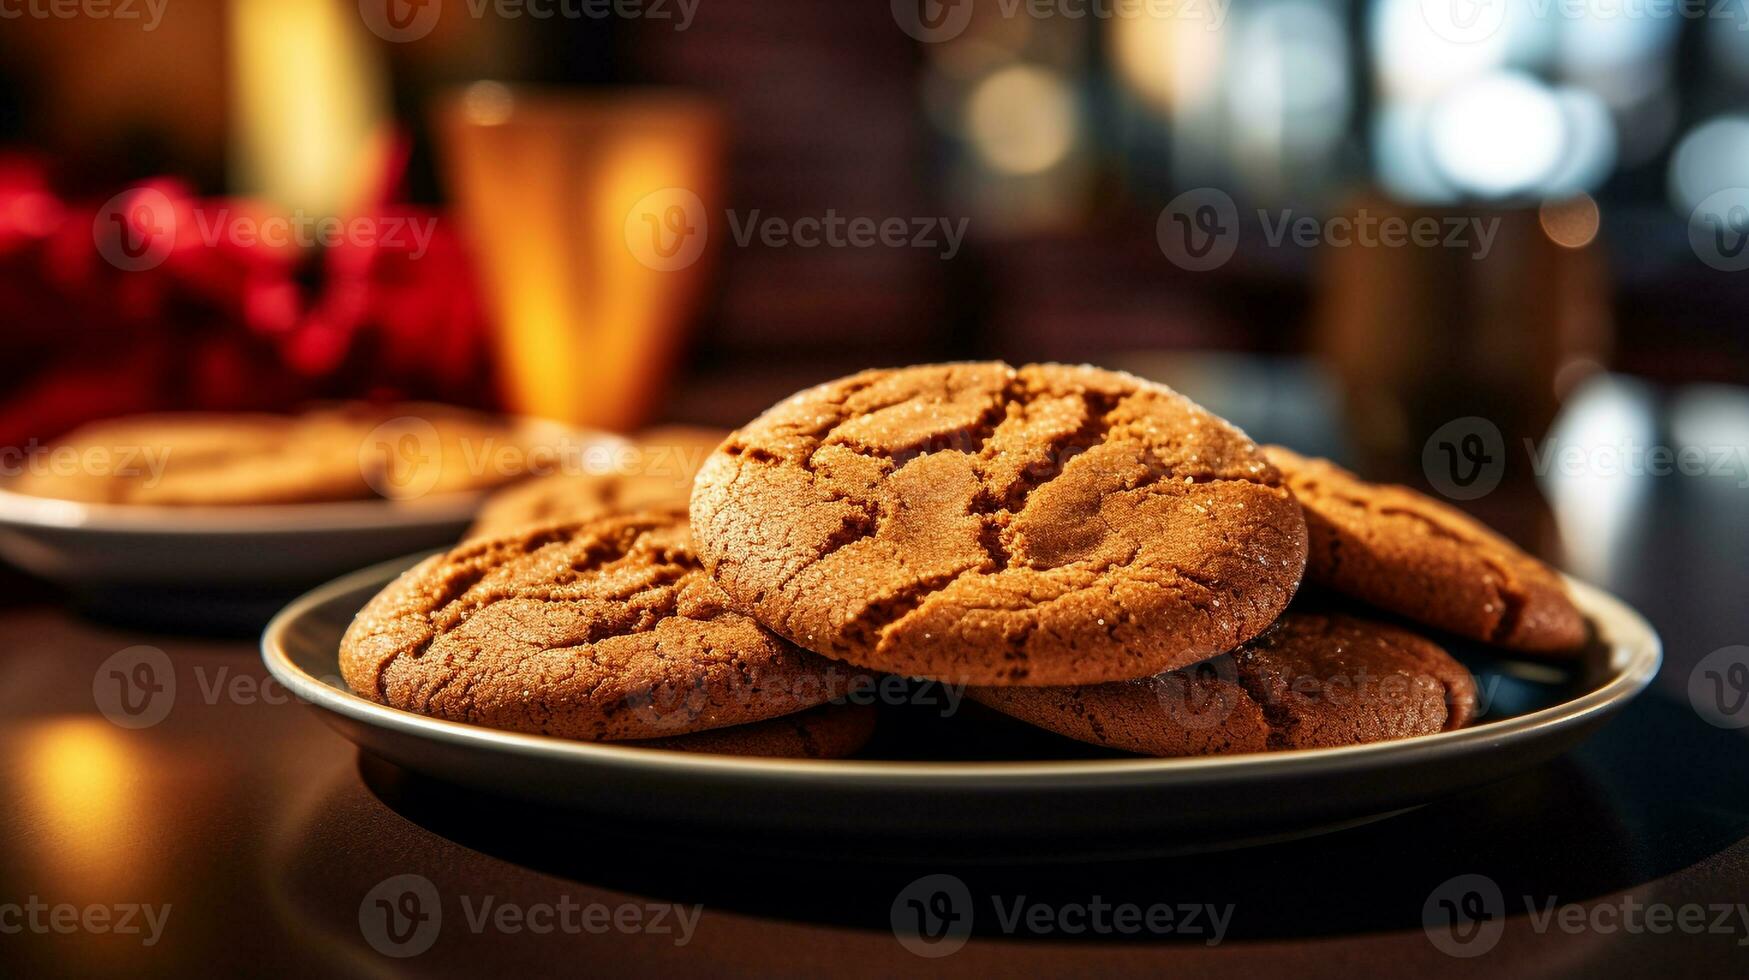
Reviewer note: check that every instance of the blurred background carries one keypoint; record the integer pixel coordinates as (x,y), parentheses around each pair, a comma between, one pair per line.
(623,213)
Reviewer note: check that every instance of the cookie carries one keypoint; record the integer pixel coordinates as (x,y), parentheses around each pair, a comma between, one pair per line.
(978,523)
(1313,681)
(1405,552)
(831,731)
(348,452)
(606,629)
(655,471)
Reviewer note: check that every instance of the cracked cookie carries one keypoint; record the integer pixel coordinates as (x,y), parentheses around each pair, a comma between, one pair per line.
(979,523)
(1313,681)
(600,630)
(831,731)
(655,471)
(1406,552)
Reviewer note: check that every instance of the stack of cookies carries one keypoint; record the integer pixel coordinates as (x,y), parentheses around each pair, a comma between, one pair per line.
(1083,550)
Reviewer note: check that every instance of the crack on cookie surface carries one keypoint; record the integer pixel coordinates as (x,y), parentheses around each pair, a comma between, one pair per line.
(607,629)
(922,487)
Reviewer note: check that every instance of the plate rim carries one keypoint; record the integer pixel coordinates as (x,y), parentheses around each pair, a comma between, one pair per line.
(1635,656)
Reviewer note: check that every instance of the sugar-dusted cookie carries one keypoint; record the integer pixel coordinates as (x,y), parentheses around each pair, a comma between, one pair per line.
(606,629)
(1406,552)
(985,524)
(655,470)
(1313,681)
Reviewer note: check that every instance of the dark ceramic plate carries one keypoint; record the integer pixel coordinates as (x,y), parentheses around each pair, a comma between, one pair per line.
(969,784)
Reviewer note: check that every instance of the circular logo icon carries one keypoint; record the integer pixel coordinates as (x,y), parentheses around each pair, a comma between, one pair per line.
(1201,696)
(932,916)
(1465,458)
(1465,916)
(933,21)
(400,21)
(1718,230)
(401,916)
(1464,21)
(1718,687)
(136,229)
(666,230)
(135,687)
(1199,229)
(402,458)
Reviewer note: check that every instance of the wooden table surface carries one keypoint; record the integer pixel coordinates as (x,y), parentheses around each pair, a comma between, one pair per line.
(256,836)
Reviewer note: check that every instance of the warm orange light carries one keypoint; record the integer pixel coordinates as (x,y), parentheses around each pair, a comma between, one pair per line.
(1571,223)
(557,191)
(310,105)
(80,788)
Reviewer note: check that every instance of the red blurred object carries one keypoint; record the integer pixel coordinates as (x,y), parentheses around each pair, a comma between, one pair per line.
(159,300)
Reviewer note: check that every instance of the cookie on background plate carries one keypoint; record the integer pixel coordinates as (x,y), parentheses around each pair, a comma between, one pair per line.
(1410,554)
(353,451)
(600,630)
(655,471)
(1315,680)
(984,524)
(831,731)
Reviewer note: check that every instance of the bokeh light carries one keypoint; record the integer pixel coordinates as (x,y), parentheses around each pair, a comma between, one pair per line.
(1498,135)
(1022,119)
